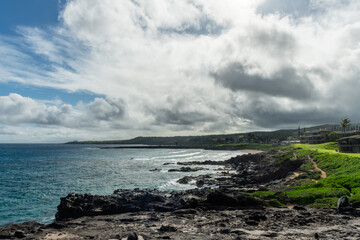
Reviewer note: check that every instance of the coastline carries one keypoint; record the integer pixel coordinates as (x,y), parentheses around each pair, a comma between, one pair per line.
(201,213)
(214,148)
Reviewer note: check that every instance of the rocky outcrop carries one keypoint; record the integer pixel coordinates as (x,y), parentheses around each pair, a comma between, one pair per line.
(187,169)
(21,231)
(206,162)
(252,170)
(124,201)
(121,201)
(261,168)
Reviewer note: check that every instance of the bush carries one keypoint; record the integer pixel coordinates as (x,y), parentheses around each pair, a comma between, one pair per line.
(281,196)
(275,203)
(310,195)
(283,157)
(263,194)
(325,202)
(300,183)
(355,200)
(351,181)
(311,175)
(332,145)
(307,165)
(355,190)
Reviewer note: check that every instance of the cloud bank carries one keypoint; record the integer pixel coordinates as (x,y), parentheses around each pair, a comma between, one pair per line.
(184,67)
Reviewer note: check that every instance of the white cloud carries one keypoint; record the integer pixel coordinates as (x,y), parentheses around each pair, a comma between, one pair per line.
(16,109)
(165,60)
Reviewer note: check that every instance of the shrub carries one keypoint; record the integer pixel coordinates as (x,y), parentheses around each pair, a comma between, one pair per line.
(263,194)
(325,202)
(310,175)
(310,195)
(355,200)
(275,203)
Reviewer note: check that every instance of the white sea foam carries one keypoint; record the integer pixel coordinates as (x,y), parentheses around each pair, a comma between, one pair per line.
(182,155)
(174,185)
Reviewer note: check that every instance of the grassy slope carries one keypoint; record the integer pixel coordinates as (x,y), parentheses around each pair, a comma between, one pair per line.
(343,177)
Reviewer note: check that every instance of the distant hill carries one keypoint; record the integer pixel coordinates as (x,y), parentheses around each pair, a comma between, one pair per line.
(195,140)
(205,140)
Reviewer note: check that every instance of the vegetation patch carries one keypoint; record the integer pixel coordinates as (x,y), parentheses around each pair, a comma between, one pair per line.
(308,165)
(283,157)
(316,175)
(355,200)
(343,176)
(263,194)
(325,202)
(275,203)
(310,195)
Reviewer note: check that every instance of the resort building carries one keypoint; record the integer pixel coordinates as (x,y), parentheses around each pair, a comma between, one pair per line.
(349,133)
(315,137)
(322,135)
(350,144)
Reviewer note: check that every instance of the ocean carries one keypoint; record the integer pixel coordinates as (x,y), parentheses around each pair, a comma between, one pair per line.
(33,177)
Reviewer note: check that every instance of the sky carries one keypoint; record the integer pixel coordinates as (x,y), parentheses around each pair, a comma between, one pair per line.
(109,69)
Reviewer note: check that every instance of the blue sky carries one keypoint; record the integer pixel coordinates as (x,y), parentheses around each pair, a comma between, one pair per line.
(46,93)
(83,69)
(41,14)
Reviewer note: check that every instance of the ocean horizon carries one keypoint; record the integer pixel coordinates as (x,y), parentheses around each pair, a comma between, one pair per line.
(33,177)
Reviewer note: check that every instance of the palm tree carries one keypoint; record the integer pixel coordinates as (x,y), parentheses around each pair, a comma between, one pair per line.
(344,124)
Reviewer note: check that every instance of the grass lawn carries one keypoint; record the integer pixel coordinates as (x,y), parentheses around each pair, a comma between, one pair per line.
(330,147)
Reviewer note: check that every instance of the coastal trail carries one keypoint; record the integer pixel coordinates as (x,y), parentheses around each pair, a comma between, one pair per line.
(316,168)
(323,173)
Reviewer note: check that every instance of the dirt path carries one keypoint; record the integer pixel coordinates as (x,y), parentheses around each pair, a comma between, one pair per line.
(295,175)
(323,174)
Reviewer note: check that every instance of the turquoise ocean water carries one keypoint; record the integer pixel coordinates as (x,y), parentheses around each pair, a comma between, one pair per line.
(33,177)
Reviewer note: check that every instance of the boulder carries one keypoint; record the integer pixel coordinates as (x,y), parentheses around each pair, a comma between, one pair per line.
(133,236)
(343,204)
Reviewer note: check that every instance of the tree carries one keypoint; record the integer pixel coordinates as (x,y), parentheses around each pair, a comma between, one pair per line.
(344,124)
(333,136)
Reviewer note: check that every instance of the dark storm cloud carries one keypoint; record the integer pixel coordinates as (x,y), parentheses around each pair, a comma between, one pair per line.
(287,82)
(277,43)
(269,114)
(173,116)
(183,111)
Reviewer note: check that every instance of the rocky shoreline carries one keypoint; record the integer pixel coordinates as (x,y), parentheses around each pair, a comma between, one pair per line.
(228,211)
